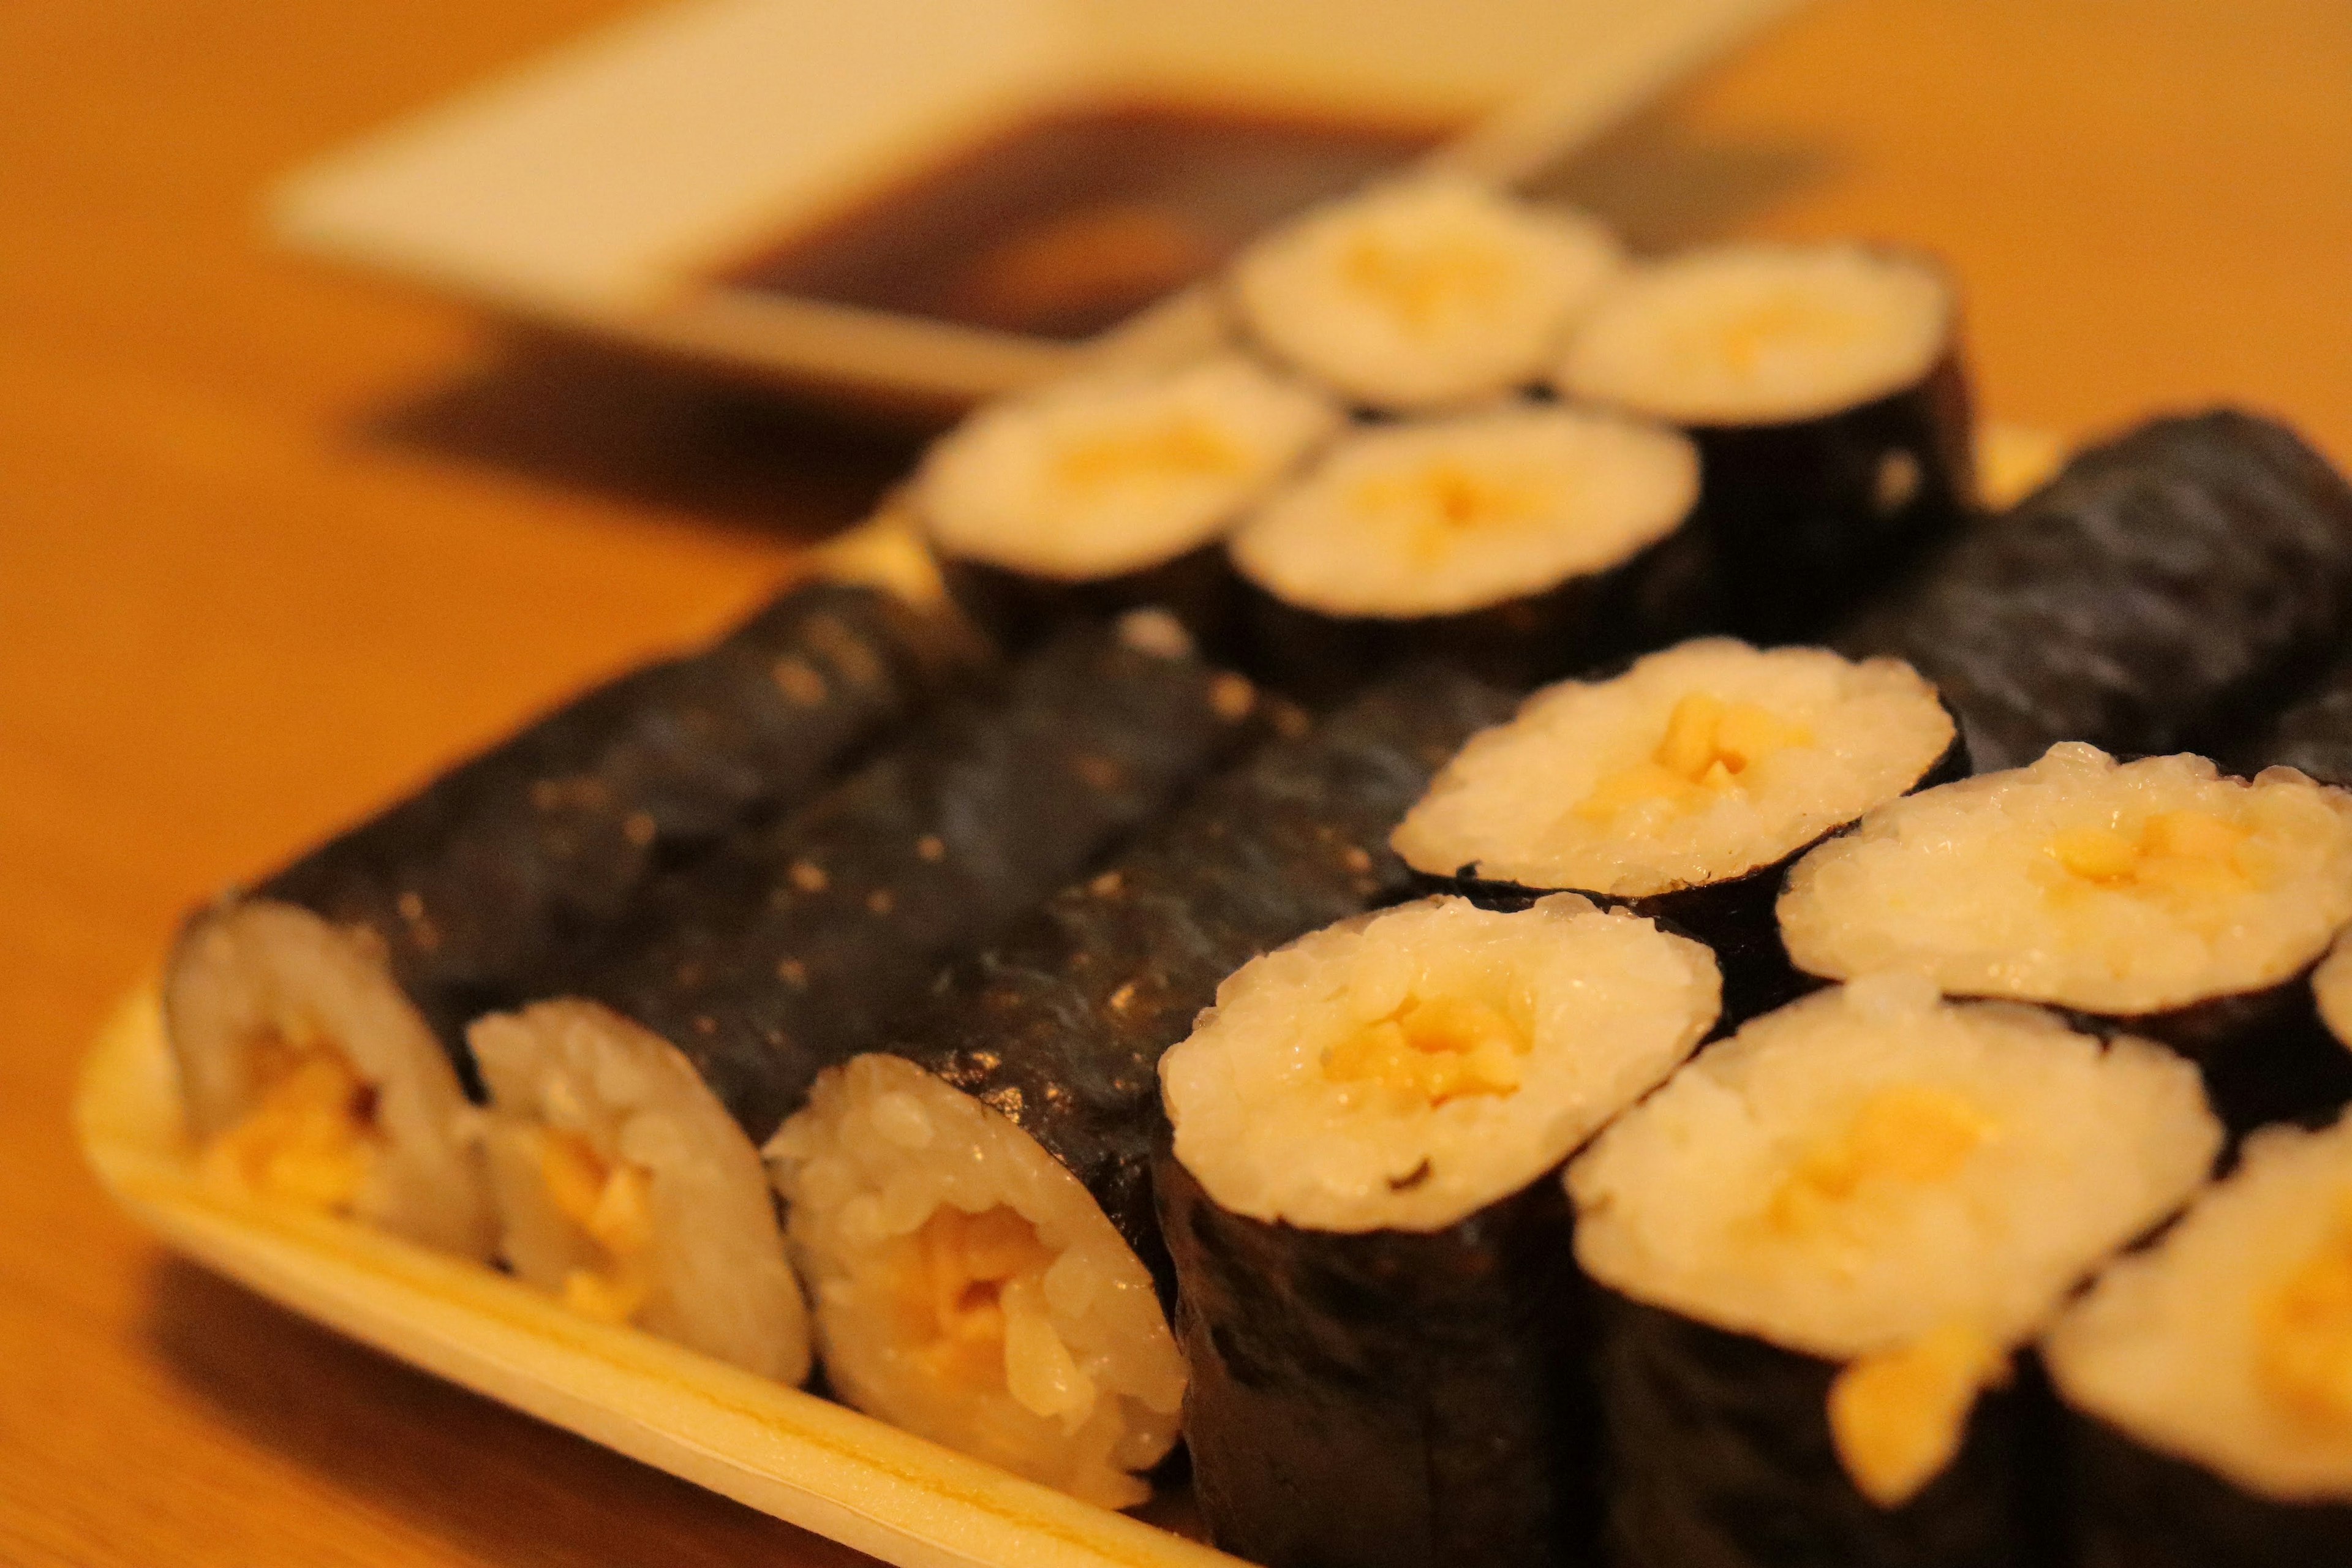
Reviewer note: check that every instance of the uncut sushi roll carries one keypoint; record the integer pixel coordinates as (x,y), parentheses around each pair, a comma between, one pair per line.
(2158,897)
(1819,1246)
(1682,788)
(316,1018)
(1112,490)
(1519,541)
(1373,1264)
(971,1203)
(2167,585)
(1823,386)
(2211,1376)
(1426,293)
(649,1081)
(2313,734)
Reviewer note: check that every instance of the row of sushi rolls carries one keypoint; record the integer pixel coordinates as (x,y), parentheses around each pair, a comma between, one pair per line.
(1506,915)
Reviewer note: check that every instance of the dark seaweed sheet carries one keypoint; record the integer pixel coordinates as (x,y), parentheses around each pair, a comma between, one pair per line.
(784,950)
(2162,588)
(2314,733)
(1719,1455)
(480,882)
(2135,1508)
(1061,1024)
(1390,1399)
(2265,1054)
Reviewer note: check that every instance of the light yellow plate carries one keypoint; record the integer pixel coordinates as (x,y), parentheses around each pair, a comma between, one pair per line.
(819,1465)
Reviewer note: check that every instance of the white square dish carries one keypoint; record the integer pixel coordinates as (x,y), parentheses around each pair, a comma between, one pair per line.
(615,188)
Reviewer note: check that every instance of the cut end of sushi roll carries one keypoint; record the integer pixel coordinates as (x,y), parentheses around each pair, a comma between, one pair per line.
(1412,520)
(625,1190)
(1875,1177)
(969,1289)
(1761,334)
(2120,888)
(1402,1070)
(2229,1344)
(1698,764)
(308,1078)
(1111,475)
(1425,292)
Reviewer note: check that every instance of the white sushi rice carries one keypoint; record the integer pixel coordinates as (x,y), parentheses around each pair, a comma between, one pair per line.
(968,1288)
(2116,888)
(625,1189)
(1760,334)
(308,1078)
(1402,1070)
(1424,293)
(1439,518)
(2229,1344)
(2331,984)
(1699,763)
(1103,475)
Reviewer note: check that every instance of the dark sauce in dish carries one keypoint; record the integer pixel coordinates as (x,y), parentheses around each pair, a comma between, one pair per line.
(1068,222)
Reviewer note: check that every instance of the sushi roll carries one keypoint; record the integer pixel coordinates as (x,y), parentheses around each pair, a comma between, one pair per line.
(316,1018)
(649,1079)
(1001,1134)
(1112,490)
(1519,539)
(2158,897)
(1682,788)
(1817,1248)
(1427,293)
(1372,1261)
(1823,386)
(2211,1376)
(2166,585)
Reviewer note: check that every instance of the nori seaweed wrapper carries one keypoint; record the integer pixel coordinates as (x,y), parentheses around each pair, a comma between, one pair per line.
(475,887)
(786,950)
(1663,594)
(2266,1055)
(2313,734)
(1811,516)
(1735,917)
(1719,1455)
(2165,584)
(1197,587)
(1061,1024)
(1390,1399)
(2135,1508)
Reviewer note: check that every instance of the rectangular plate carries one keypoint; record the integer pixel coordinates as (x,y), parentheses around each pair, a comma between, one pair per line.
(601,189)
(820,1465)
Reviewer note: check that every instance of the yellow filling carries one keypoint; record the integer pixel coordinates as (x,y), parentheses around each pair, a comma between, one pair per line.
(1420,282)
(1907,1136)
(1180,448)
(1439,1049)
(609,1201)
(1708,748)
(2185,858)
(952,1286)
(1444,500)
(2303,1333)
(311,1135)
(1898,1418)
(1741,342)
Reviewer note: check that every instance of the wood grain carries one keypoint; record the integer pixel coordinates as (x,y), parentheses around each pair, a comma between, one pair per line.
(274,542)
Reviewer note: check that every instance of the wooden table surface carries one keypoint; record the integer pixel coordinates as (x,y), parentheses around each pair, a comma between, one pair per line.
(274,542)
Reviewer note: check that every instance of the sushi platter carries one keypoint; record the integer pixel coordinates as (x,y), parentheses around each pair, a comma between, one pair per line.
(1522,915)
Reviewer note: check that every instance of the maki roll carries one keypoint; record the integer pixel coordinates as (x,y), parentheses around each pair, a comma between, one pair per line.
(2156,896)
(1823,386)
(2164,586)
(2211,1376)
(647,1081)
(994,1152)
(1377,1304)
(316,1018)
(1426,293)
(1682,788)
(1518,540)
(1112,492)
(1820,1244)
